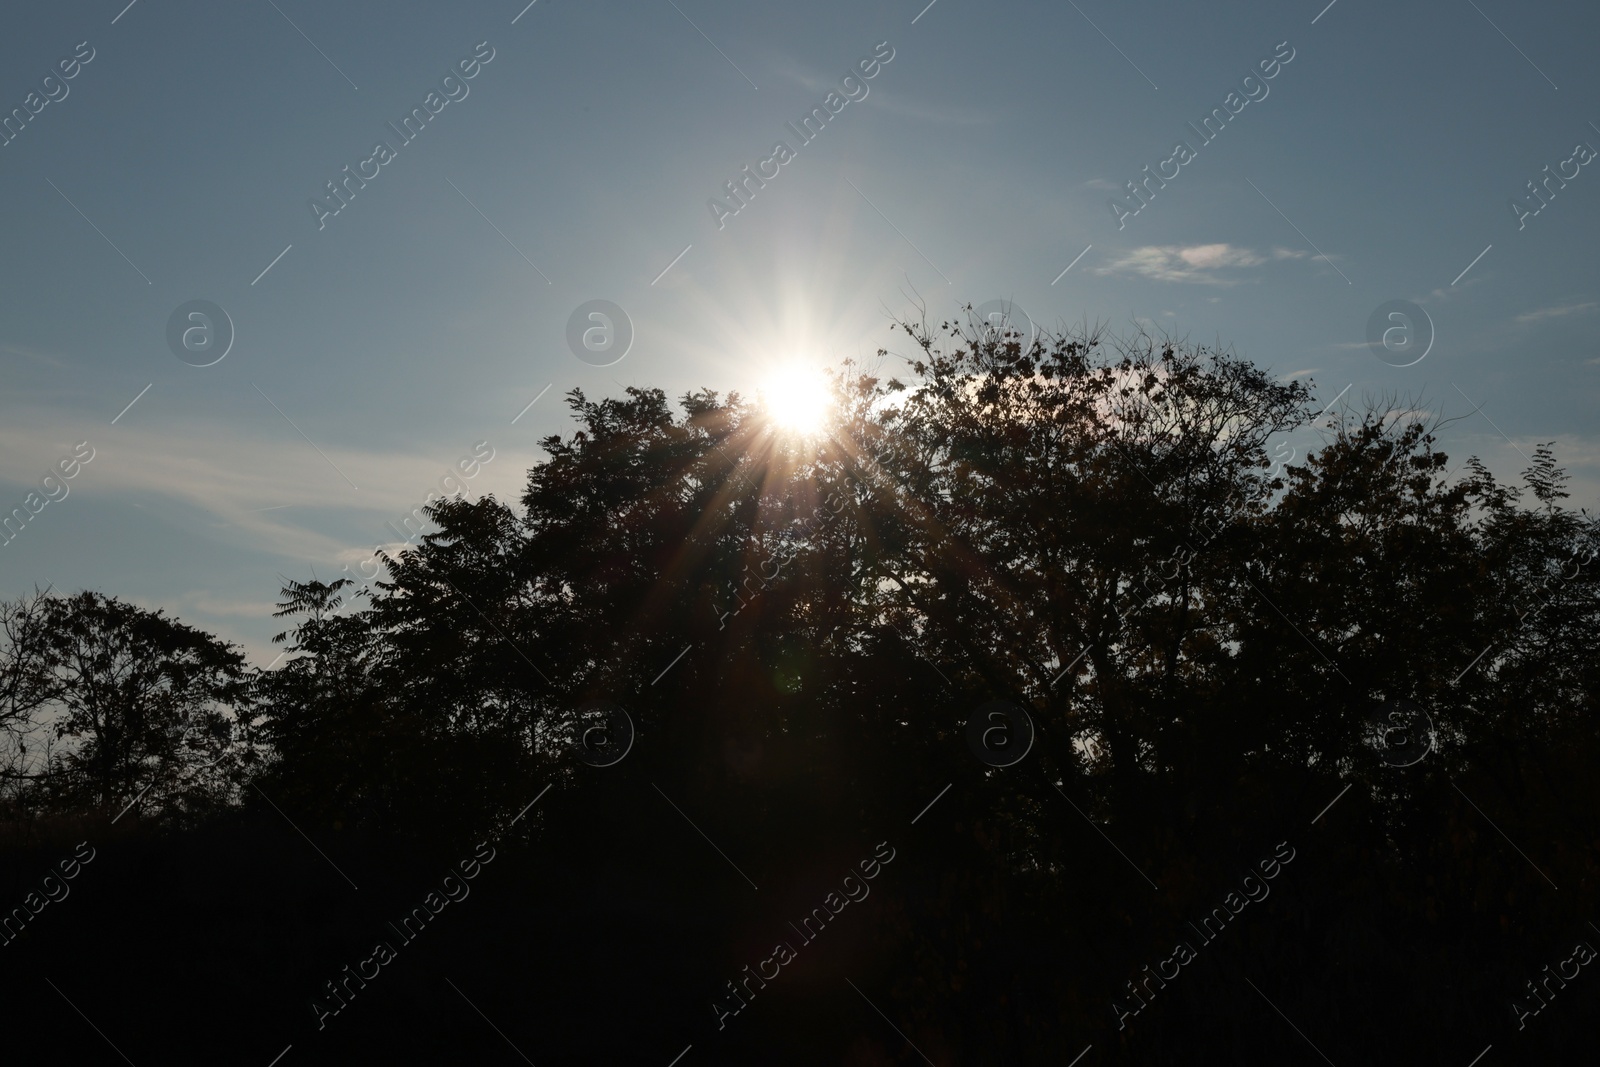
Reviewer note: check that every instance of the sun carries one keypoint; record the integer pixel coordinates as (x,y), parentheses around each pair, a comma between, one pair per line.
(797,399)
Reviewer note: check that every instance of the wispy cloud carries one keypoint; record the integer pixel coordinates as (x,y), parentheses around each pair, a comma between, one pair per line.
(1196,264)
(821,82)
(1446,292)
(1558,312)
(48,359)
(235,607)
(236,478)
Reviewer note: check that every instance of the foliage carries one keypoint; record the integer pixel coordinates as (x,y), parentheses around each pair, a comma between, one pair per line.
(800,628)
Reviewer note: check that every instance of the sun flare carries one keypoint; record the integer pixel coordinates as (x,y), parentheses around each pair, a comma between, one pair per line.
(798,399)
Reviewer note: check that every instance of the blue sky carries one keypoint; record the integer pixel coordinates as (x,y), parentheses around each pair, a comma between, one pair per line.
(433,307)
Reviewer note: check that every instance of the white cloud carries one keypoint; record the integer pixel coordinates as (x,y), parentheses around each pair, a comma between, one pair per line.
(239,479)
(1446,292)
(211,604)
(1199,264)
(1560,311)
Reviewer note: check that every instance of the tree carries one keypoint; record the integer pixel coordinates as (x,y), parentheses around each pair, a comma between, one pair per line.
(27,689)
(148,705)
(801,630)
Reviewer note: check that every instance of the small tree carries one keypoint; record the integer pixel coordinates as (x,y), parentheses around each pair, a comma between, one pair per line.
(148,705)
(27,688)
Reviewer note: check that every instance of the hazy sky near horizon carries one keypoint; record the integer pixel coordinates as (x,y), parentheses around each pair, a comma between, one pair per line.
(375,347)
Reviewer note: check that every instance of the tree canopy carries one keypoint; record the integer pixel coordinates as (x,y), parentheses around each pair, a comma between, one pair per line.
(1375,659)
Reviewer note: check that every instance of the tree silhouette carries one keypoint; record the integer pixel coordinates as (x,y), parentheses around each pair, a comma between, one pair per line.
(1218,654)
(141,705)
